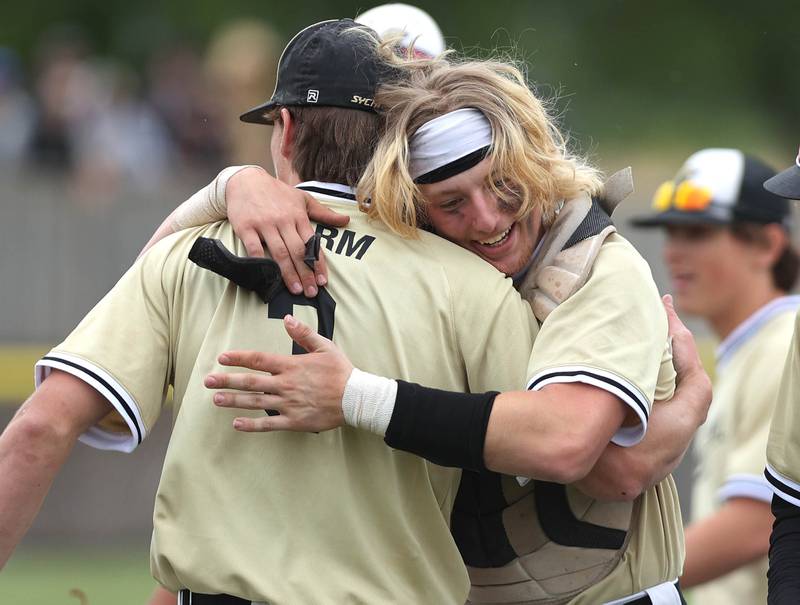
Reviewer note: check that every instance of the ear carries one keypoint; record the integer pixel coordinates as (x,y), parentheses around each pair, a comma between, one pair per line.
(287,135)
(775,241)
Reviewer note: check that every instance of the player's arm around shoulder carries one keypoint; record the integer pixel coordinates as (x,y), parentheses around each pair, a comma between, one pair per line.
(592,372)
(554,434)
(34,446)
(623,473)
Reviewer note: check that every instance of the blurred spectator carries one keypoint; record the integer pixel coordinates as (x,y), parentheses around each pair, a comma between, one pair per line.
(122,143)
(181,97)
(241,62)
(64,96)
(16,111)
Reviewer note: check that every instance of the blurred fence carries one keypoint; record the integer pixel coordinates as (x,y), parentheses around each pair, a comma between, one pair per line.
(59,256)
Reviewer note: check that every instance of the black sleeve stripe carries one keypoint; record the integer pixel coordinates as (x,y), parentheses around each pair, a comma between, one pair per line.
(633,396)
(780,486)
(111,388)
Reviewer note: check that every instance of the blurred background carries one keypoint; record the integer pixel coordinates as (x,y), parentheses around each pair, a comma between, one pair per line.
(112,113)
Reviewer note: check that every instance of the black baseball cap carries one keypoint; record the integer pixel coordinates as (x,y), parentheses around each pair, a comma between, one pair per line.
(331,63)
(717,187)
(787,182)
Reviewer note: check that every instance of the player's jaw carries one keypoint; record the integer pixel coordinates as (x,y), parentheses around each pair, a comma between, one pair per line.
(510,249)
(705,267)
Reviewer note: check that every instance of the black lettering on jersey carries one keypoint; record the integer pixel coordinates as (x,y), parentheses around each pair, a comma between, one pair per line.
(349,246)
(347,243)
(327,234)
(284,302)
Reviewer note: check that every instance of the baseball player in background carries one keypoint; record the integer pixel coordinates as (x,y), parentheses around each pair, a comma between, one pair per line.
(783,450)
(731,262)
(461,195)
(331,518)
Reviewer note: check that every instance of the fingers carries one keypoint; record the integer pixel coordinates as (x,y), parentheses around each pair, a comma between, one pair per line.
(322,214)
(245,381)
(296,245)
(681,336)
(306,232)
(247,401)
(255,360)
(252,242)
(304,335)
(675,323)
(263,424)
(283,256)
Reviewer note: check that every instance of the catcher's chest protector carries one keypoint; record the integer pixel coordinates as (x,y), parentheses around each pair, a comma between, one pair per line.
(544,543)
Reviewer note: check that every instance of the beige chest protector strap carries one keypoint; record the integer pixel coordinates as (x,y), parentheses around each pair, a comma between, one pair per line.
(557,542)
(570,246)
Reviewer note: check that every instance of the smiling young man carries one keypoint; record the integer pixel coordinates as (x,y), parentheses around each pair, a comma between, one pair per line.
(730,259)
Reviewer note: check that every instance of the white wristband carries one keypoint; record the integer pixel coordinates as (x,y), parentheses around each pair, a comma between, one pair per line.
(368,401)
(207,205)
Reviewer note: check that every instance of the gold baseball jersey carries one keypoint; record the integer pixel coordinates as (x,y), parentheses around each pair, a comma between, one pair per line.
(783,449)
(284,518)
(730,447)
(612,334)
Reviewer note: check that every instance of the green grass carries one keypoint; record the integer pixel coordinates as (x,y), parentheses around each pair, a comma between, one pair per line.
(39,576)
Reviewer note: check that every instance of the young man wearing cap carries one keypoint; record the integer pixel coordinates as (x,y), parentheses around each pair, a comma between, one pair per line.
(729,255)
(783,449)
(334,517)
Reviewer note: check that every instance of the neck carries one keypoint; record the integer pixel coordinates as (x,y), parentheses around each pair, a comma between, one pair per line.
(749,302)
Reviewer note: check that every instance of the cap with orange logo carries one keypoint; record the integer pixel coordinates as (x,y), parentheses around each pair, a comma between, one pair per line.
(717,186)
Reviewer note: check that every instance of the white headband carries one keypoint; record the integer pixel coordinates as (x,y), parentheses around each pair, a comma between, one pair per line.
(448,145)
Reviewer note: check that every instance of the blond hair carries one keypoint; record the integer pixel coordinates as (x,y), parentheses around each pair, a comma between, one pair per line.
(528,155)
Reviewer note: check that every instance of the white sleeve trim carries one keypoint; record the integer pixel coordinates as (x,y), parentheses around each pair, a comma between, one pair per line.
(743,485)
(106,385)
(626,436)
(783,487)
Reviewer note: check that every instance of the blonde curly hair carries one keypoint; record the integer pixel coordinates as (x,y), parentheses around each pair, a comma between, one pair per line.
(529,155)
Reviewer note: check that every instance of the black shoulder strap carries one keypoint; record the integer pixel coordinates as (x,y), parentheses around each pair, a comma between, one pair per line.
(593,223)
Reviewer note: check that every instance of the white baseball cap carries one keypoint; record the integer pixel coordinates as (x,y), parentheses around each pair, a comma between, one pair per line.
(416,26)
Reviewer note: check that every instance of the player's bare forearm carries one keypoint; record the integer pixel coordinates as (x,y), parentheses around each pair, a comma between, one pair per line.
(35,445)
(735,535)
(555,434)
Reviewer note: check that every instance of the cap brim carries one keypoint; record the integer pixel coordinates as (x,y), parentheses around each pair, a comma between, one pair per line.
(676,218)
(256,115)
(785,184)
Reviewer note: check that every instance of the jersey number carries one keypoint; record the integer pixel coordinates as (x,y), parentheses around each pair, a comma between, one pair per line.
(284,303)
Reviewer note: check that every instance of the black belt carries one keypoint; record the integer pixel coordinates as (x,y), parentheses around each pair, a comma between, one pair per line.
(187,597)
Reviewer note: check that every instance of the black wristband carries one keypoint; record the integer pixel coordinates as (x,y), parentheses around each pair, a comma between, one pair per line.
(784,554)
(446,428)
